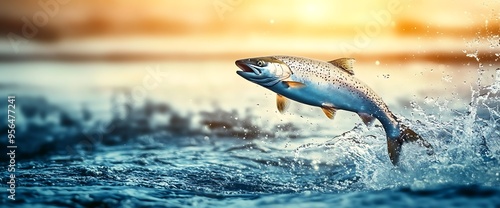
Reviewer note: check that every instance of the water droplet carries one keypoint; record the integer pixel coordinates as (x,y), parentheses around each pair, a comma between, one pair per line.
(473,54)
(206,138)
(447,78)
(428,99)
(377,62)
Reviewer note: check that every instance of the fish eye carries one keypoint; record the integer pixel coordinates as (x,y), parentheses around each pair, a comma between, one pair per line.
(260,63)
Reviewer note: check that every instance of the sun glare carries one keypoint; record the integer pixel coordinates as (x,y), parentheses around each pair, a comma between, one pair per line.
(313,11)
(326,11)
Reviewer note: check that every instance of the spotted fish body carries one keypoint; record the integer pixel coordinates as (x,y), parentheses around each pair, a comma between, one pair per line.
(331,86)
(328,84)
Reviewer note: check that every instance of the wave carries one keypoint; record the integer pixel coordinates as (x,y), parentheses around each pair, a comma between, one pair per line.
(47,128)
(114,196)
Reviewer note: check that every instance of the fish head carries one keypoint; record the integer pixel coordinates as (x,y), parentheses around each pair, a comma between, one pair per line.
(265,71)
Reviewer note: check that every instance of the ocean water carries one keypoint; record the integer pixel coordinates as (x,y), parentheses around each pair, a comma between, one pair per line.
(93,134)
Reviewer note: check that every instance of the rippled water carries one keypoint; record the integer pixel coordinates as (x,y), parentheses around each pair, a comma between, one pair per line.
(85,139)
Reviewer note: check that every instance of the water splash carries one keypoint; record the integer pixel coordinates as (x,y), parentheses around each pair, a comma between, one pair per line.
(467,148)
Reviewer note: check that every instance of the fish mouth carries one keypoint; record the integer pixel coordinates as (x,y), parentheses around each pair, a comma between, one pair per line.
(246,68)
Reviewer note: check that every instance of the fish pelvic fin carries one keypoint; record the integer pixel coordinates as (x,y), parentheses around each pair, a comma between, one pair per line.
(406,135)
(329,110)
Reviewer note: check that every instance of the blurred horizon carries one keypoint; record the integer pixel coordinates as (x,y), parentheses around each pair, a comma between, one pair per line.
(113,30)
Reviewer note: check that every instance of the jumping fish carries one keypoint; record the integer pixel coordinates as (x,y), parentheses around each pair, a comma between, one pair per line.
(331,86)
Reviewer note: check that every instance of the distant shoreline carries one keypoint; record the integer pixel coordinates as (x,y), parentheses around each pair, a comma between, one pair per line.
(436,57)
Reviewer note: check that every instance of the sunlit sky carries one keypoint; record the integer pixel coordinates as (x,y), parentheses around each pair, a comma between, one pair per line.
(313,17)
(249,25)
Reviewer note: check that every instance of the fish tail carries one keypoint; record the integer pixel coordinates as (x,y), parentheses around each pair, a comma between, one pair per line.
(406,135)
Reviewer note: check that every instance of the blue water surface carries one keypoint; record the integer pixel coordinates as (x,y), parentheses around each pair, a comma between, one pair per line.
(104,150)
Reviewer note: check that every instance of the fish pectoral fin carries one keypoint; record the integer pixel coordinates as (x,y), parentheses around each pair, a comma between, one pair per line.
(329,110)
(282,103)
(367,118)
(293,84)
(345,64)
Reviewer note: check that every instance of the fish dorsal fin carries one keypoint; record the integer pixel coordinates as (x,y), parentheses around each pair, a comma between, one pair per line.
(367,118)
(329,110)
(281,102)
(345,64)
